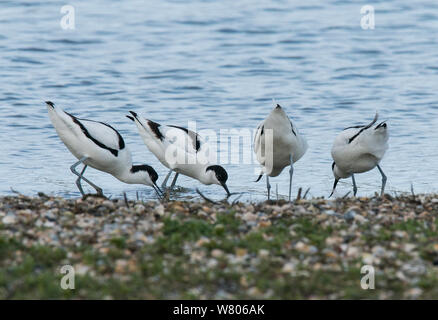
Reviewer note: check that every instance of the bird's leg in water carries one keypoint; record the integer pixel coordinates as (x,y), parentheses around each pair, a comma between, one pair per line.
(268,186)
(383,181)
(81,177)
(291,172)
(163,185)
(174,181)
(354,185)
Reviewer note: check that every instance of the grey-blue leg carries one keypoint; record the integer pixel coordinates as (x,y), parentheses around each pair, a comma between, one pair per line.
(163,185)
(157,190)
(291,172)
(81,177)
(268,186)
(78,181)
(383,181)
(174,181)
(354,185)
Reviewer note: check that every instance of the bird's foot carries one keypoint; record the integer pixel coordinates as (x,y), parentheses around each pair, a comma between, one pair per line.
(223,201)
(94,195)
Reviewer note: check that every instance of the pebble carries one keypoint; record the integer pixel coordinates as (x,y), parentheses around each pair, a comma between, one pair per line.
(9,219)
(288,267)
(217,253)
(349,216)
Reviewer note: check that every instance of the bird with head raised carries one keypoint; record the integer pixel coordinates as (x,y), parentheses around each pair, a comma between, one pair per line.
(100,146)
(278,144)
(359,149)
(181,150)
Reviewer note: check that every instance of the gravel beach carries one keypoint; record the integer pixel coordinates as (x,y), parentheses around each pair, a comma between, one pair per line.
(308,249)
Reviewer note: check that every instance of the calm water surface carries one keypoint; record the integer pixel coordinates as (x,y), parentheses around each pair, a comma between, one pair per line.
(221,63)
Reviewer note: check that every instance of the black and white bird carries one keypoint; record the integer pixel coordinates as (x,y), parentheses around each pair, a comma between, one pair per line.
(182,151)
(359,149)
(100,146)
(278,144)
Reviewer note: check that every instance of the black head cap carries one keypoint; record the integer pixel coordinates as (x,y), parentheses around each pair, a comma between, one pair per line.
(50,103)
(278,106)
(221,174)
(152,173)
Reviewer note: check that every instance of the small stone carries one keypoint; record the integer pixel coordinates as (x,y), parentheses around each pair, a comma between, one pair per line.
(359,218)
(240,252)
(81,269)
(212,263)
(263,253)
(109,204)
(139,209)
(217,253)
(367,258)
(9,219)
(288,267)
(49,224)
(330,241)
(202,241)
(264,224)
(330,254)
(160,210)
(352,252)
(349,215)
(414,293)
(302,247)
(254,291)
(400,234)
(378,251)
(249,216)
(121,266)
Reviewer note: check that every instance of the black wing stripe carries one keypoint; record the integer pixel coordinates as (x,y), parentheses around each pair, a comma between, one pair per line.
(152,125)
(364,128)
(121,141)
(196,143)
(155,129)
(380,125)
(88,135)
(354,127)
(292,127)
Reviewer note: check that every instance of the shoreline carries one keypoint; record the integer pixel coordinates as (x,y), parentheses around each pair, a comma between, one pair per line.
(308,249)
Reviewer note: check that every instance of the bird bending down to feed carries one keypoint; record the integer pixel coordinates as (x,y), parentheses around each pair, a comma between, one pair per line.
(180,150)
(278,144)
(100,146)
(359,149)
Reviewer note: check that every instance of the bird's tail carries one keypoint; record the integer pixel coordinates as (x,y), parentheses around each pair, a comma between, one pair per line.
(147,128)
(50,104)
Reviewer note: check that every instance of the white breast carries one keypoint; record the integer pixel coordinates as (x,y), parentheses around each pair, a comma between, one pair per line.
(286,141)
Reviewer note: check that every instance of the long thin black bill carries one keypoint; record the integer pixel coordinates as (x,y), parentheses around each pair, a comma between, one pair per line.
(334,187)
(158,190)
(226,189)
